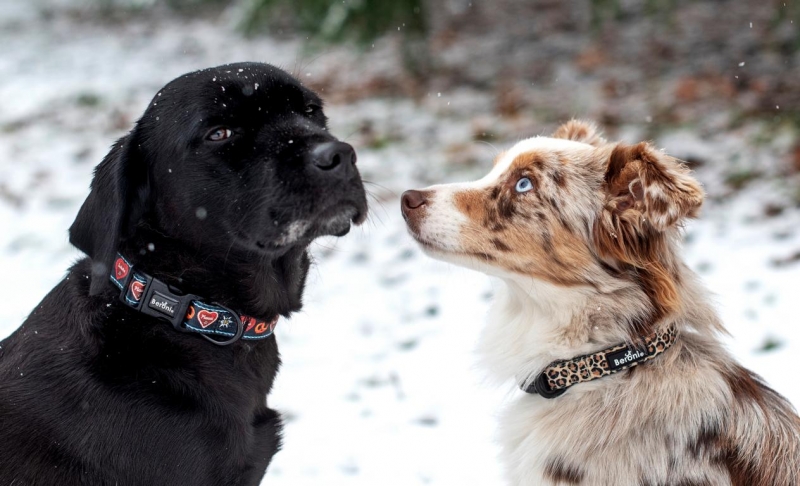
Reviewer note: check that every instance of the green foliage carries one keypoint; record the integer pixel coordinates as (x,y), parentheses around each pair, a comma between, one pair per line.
(360,20)
(88,99)
(603,11)
(738,179)
(122,8)
(770,344)
(607,11)
(787,11)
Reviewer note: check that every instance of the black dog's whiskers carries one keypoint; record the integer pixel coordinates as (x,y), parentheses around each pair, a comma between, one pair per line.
(372,216)
(390,191)
(330,248)
(347,137)
(380,203)
(298,71)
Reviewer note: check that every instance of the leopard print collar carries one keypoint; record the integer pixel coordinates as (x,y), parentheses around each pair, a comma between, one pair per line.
(562,374)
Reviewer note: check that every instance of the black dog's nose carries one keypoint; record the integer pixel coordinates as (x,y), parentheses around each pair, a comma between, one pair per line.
(413,199)
(330,155)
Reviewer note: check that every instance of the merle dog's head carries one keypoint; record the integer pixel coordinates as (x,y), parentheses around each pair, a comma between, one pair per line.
(236,158)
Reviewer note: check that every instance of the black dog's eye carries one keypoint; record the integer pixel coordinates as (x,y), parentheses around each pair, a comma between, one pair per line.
(218,134)
(312,107)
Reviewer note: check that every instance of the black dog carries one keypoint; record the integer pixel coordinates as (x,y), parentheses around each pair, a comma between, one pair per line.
(196,227)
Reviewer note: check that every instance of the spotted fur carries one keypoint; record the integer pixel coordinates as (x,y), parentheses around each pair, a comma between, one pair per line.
(588,259)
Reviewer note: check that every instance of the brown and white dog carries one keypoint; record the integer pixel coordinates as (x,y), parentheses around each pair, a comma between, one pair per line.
(584,234)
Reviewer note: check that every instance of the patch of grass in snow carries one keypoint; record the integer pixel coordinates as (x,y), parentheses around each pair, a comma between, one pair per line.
(770,344)
(408,345)
(88,99)
(738,179)
(362,21)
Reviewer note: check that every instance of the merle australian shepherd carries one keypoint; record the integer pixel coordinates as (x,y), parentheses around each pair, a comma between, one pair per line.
(599,320)
(150,362)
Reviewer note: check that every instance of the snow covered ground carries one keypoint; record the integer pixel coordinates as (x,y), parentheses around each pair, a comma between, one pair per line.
(379,384)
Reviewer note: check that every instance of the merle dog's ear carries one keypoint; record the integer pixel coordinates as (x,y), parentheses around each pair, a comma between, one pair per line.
(646,186)
(116,203)
(580,131)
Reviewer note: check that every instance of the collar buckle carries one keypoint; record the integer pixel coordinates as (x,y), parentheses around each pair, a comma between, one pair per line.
(539,386)
(154,298)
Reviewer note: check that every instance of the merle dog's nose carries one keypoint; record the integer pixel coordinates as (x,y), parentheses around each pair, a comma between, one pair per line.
(413,199)
(329,156)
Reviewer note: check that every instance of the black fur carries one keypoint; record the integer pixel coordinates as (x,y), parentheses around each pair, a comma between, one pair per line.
(93,393)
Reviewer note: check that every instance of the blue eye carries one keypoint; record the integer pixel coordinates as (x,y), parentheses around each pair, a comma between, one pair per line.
(524,185)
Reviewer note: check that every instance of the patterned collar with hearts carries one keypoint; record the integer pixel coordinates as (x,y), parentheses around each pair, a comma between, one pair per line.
(186,312)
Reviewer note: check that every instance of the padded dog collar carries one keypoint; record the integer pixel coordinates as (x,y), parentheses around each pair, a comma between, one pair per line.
(186,312)
(562,374)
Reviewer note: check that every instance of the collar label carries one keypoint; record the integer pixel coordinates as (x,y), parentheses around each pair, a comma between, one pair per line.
(163,304)
(624,357)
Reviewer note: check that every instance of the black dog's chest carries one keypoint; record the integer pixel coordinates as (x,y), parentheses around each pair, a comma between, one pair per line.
(132,402)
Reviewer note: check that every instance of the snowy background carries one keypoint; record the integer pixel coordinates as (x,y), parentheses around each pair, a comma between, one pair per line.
(379,384)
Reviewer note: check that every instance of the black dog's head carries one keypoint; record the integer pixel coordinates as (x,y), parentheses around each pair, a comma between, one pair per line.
(236,158)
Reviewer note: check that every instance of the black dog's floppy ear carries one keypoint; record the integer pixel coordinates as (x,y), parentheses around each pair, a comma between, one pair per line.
(114,206)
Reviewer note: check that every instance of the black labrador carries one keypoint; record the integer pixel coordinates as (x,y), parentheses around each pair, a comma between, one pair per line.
(150,363)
